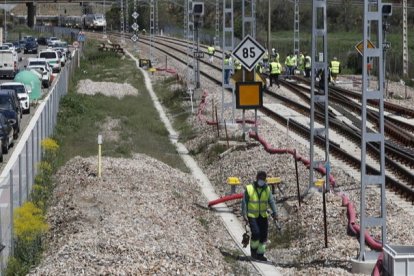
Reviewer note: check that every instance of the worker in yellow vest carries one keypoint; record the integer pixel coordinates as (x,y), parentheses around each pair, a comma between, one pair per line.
(227,71)
(301,63)
(256,200)
(308,65)
(275,55)
(335,67)
(211,51)
(275,69)
(237,65)
(290,63)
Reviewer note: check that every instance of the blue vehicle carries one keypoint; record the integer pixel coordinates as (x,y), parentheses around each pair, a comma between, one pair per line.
(10,109)
(6,133)
(30,47)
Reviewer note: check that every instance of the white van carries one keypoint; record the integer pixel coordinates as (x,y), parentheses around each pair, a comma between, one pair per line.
(52,58)
(8,64)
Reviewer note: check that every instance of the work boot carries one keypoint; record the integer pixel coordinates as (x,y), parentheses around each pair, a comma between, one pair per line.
(261,257)
(253,253)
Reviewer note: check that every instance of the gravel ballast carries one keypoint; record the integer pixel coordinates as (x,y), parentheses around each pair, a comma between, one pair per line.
(140,218)
(93,217)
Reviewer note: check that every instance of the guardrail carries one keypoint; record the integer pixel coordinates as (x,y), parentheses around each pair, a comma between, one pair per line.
(17,177)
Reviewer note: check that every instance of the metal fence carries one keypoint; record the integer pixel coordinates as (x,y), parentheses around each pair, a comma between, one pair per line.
(61,32)
(17,177)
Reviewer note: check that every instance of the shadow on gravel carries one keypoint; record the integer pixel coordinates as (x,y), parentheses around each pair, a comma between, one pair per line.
(235,255)
(344,264)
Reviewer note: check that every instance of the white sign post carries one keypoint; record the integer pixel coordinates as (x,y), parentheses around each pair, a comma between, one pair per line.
(249,52)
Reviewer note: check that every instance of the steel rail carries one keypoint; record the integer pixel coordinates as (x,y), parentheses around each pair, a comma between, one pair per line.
(405,190)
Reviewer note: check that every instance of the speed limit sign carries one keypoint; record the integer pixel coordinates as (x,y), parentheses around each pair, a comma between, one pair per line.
(249,52)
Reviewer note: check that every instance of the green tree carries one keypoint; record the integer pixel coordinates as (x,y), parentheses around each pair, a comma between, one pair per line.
(112,18)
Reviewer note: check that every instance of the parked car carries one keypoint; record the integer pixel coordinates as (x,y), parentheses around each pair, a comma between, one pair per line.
(30,47)
(52,58)
(15,101)
(21,92)
(44,69)
(51,41)
(10,109)
(22,43)
(61,54)
(64,46)
(29,38)
(41,40)
(17,46)
(8,63)
(6,134)
(11,46)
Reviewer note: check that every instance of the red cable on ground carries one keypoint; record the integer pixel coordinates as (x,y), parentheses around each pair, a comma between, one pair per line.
(378,265)
(225,198)
(306,162)
(168,70)
(211,123)
(351,213)
(372,243)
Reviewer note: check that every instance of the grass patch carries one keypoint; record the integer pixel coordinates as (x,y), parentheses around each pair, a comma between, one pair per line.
(176,103)
(81,116)
(29,219)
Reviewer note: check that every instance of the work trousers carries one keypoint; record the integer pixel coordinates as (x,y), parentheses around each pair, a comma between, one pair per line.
(290,70)
(227,73)
(275,78)
(259,227)
(307,72)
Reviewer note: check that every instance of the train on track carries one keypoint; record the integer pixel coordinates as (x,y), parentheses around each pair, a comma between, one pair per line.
(91,21)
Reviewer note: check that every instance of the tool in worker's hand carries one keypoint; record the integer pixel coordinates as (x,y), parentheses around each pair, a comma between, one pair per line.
(246,238)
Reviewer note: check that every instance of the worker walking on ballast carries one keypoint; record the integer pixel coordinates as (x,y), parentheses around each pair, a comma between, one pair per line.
(257,198)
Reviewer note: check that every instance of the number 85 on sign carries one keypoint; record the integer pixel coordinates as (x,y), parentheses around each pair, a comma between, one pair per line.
(249,52)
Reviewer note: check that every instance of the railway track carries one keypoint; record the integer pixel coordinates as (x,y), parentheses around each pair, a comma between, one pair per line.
(396,157)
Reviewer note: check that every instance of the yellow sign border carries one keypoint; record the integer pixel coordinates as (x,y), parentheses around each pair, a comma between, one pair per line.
(359,45)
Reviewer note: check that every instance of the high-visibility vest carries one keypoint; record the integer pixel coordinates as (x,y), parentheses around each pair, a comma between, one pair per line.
(259,68)
(275,68)
(290,61)
(227,61)
(210,50)
(258,201)
(301,61)
(308,62)
(335,67)
(237,65)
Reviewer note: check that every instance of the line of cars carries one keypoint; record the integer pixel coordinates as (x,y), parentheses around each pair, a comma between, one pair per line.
(14,101)
(16,96)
